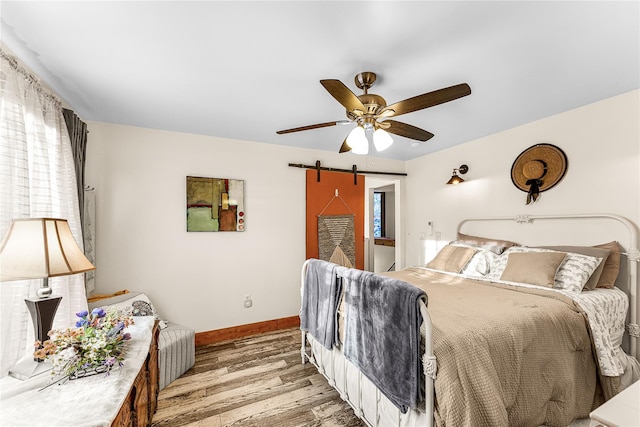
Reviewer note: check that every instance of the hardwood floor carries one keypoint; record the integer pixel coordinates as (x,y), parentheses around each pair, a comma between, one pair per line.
(255,381)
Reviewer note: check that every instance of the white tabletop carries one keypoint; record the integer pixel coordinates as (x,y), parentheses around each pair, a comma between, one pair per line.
(622,410)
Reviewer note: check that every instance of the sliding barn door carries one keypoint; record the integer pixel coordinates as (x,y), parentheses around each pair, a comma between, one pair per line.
(335,217)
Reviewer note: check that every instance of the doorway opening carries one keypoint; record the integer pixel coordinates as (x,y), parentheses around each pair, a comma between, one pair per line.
(382,228)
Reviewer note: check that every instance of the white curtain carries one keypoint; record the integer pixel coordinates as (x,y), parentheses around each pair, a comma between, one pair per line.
(37,179)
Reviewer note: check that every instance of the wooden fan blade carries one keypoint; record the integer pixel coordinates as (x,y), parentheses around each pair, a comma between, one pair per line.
(343,95)
(316,126)
(408,131)
(344,148)
(427,100)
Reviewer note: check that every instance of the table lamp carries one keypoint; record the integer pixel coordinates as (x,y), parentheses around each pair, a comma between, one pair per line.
(39,248)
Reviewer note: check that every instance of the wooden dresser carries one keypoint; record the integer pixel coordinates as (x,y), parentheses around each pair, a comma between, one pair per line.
(142,400)
(126,397)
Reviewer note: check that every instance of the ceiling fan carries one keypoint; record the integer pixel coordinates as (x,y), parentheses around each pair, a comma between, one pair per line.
(371,113)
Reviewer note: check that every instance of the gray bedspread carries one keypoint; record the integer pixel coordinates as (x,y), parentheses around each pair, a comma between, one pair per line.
(321,292)
(382,334)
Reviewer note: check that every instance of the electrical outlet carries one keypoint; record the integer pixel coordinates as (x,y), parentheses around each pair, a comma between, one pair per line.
(248,302)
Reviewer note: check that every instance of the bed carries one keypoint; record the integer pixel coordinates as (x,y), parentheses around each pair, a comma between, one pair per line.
(502,333)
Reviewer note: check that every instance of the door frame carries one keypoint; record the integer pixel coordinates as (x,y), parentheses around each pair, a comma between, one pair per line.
(371,183)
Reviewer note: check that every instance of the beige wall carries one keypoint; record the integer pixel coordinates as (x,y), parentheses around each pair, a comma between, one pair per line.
(200,279)
(601,141)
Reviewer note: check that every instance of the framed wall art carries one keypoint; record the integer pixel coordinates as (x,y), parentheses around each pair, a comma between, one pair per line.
(215,204)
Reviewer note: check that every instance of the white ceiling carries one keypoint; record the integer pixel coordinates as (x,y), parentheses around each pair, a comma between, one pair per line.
(244,70)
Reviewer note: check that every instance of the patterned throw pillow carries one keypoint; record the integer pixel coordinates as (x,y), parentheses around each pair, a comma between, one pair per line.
(133,303)
(142,308)
(497,266)
(587,250)
(480,264)
(139,305)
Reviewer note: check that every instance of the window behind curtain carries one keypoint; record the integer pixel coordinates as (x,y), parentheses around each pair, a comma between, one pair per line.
(37,179)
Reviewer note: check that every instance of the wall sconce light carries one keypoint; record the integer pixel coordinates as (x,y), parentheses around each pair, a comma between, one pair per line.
(455,179)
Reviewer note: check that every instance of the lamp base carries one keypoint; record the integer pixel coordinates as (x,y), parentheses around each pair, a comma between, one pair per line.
(27,368)
(42,310)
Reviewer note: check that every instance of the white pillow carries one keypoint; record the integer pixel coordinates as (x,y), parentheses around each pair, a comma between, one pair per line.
(132,303)
(480,264)
(572,275)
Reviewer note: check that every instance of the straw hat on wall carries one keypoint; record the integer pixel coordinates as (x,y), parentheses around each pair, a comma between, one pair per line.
(538,168)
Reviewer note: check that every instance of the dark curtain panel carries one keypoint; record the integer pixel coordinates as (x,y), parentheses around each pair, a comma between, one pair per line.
(78,134)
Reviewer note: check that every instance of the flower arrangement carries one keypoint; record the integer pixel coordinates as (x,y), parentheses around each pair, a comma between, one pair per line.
(96,344)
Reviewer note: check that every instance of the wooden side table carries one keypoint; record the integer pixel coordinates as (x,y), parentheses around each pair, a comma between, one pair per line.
(622,410)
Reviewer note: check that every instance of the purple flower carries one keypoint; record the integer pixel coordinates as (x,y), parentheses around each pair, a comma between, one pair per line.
(82,314)
(126,336)
(99,312)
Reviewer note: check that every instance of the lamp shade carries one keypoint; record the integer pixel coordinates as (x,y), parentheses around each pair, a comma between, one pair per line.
(455,179)
(358,141)
(382,140)
(35,248)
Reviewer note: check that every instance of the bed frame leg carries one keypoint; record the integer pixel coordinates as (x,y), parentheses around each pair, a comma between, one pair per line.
(303,348)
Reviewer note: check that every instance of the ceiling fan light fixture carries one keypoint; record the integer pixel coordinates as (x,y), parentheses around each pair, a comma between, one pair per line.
(357,140)
(387,112)
(382,140)
(371,112)
(344,148)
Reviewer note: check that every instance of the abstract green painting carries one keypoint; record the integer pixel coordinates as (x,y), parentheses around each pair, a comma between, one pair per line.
(215,204)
